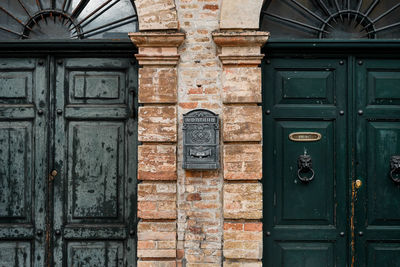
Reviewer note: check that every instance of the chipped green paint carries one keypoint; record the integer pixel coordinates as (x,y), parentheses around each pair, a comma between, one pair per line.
(84,106)
(23,157)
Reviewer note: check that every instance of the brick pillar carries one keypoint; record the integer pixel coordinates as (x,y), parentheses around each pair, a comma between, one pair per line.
(240,55)
(157,132)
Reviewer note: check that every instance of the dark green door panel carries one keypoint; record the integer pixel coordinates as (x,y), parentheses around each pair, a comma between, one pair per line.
(76,116)
(377,212)
(305,223)
(23,92)
(304,254)
(95,156)
(354,103)
(99,253)
(385,254)
(293,195)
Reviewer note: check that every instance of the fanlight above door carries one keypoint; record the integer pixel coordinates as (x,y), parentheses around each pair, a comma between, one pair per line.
(331,19)
(67,19)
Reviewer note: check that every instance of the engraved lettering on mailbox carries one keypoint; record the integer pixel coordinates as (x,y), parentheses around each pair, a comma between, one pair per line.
(200,140)
(305,136)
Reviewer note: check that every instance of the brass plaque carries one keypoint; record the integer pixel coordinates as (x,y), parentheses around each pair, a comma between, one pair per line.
(305,136)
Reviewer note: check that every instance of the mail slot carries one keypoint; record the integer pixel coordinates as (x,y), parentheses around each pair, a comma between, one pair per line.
(200,140)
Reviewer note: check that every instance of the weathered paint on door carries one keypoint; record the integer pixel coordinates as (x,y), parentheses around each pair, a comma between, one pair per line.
(354,104)
(84,172)
(23,162)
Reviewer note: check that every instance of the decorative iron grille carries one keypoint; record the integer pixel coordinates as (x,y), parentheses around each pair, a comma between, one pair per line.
(67,19)
(331,19)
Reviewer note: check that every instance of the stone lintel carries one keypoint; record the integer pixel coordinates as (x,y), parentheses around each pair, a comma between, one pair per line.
(242,60)
(242,38)
(162,61)
(157,48)
(240,48)
(157,39)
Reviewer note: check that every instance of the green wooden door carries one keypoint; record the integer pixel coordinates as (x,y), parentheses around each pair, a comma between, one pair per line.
(68,162)
(305,222)
(23,162)
(353,103)
(95,156)
(377,202)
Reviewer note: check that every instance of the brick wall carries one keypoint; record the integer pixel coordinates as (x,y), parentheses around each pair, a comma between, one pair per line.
(242,154)
(157,132)
(194,55)
(200,215)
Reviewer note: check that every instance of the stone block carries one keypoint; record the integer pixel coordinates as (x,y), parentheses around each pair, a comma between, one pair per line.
(157,200)
(157,162)
(242,123)
(157,85)
(156,263)
(240,263)
(202,265)
(240,14)
(157,124)
(241,85)
(243,242)
(243,201)
(242,162)
(156,240)
(156,14)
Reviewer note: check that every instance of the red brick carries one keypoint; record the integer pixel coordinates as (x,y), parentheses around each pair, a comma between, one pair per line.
(193,197)
(242,123)
(254,227)
(243,201)
(157,162)
(242,162)
(195,91)
(163,237)
(157,124)
(157,85)
(188,105)
(233,226)
(146,245)
(241,85)
(242,244)
(211,7)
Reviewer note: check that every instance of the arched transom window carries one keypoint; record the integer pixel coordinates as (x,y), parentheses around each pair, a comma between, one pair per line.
(67,19)
(331,19)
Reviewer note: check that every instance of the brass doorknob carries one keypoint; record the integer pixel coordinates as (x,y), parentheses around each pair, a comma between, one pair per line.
(358,183)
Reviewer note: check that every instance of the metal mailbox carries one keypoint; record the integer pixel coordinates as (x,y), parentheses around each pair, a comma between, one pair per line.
(200,140)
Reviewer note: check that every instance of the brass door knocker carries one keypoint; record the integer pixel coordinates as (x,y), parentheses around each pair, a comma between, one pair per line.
(395,169)
(305,166)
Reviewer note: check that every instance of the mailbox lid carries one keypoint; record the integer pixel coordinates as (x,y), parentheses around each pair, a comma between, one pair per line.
(201,140)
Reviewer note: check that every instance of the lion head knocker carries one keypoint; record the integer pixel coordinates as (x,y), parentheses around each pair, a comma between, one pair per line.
(304,163)
(395,168)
